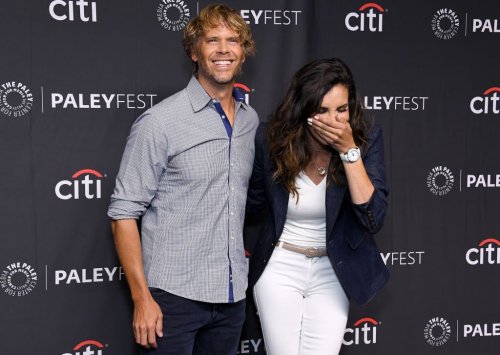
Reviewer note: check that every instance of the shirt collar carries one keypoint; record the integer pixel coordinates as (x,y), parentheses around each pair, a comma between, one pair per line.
(199,97)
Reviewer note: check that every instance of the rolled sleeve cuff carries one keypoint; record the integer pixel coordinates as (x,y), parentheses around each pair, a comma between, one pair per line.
(371,214)
(121,209)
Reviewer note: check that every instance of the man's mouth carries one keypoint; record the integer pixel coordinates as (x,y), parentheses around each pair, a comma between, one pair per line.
(223,62)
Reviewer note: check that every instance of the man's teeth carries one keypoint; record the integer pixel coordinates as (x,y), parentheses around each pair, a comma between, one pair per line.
(222,62)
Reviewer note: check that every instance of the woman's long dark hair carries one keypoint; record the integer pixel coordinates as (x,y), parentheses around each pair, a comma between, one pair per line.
(288,125)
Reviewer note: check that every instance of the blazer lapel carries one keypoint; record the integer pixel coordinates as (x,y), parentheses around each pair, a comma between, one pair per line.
(334,196)
(281,196)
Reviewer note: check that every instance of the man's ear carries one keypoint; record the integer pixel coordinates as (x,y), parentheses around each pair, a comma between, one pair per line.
(194,54)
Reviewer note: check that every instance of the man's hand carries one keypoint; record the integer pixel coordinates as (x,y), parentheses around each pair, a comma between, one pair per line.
(148,322)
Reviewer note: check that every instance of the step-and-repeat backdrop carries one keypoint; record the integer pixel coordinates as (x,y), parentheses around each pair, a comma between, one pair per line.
(74,74)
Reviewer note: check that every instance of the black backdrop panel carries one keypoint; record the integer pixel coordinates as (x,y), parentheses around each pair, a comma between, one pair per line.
(74,75)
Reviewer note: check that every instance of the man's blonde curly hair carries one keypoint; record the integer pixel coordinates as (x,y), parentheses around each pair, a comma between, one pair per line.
(213,16)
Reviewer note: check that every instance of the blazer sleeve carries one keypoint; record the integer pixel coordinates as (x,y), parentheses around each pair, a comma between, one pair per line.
(257,199)
(371,214)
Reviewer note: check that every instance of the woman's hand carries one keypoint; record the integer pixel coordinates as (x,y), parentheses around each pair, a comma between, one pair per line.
(334,131)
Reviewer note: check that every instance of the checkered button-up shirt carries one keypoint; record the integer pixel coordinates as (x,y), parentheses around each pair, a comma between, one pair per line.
(188,180)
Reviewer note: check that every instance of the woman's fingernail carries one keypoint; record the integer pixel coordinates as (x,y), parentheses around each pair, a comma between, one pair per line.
(309,121)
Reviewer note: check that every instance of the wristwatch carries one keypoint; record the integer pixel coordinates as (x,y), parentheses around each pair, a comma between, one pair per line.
(351,156)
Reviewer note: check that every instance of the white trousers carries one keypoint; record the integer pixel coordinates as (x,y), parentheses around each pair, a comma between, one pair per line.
(302,306)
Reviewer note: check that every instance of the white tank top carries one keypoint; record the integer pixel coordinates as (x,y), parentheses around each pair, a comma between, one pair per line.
(305,223)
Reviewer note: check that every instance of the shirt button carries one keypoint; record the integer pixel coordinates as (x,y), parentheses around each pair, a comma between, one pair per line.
(232,188)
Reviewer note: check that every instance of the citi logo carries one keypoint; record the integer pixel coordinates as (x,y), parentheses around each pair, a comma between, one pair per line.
(87,180)
(364,332)
(486,104)
(245,90)
(61,10)
(92,347)
(488,252)
(371,20)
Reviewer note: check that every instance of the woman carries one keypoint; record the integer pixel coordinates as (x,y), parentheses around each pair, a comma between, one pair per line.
(319,169)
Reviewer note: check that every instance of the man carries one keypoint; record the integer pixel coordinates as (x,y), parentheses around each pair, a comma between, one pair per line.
(185,171)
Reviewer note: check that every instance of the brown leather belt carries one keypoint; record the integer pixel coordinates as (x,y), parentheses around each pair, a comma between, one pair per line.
(310,252)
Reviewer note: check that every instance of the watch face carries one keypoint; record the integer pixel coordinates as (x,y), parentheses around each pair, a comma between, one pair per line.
(353,155)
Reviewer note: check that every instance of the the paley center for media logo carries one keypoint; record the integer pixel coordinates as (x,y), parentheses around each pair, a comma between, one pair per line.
(437,331)
(16,99)
(446,24)
(173,15)
(18,279)
(441,180)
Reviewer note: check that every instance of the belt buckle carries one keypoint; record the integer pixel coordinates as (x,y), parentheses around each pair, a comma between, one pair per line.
(311,252)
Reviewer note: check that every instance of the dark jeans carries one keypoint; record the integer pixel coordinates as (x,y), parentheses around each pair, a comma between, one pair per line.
(197,328)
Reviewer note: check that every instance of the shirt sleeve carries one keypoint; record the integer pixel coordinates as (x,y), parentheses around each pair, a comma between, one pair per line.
(143,164)
(371,214)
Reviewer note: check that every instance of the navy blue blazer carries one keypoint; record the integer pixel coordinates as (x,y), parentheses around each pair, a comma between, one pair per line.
(349,228)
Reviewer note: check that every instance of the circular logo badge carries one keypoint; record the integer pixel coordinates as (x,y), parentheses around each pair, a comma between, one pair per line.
(440,180)
(18,279)
(445,24)
(16,99)
(437,331)
(173,14)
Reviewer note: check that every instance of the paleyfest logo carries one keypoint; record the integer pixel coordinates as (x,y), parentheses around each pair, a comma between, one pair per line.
(18,279)
(16,99)
(173,15)
(445,23)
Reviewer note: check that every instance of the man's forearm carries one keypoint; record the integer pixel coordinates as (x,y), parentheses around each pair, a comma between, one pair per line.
(128,247)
